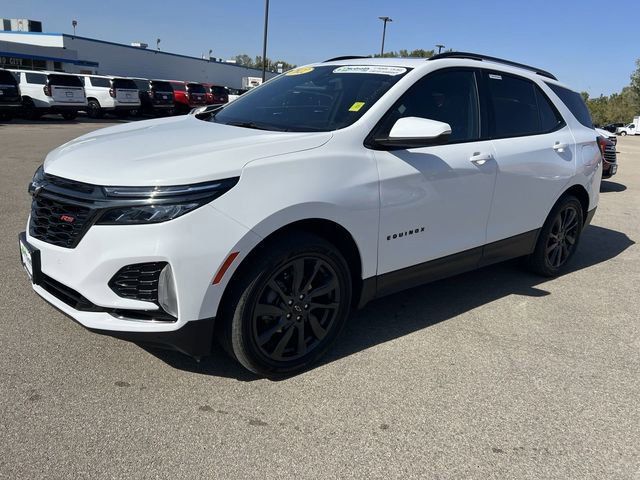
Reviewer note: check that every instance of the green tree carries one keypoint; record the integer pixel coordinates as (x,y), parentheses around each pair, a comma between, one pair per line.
(635,80)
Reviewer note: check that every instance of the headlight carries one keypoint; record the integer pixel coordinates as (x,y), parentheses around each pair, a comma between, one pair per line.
(37,180)
(140,205)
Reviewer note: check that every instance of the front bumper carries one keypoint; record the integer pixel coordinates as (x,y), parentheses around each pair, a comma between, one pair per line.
(195,245)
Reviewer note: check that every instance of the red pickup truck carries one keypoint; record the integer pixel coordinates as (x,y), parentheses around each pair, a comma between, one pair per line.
(188,95)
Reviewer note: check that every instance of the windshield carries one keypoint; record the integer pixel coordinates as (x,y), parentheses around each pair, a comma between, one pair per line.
(312,99)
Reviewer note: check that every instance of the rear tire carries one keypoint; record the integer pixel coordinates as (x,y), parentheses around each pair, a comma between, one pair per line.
(94,110)
(558,239)
(29,110)
(286,306)
(623,134)
(5,117)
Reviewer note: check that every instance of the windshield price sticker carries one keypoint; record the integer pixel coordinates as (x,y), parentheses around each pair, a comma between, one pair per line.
(373,69)
(299,71)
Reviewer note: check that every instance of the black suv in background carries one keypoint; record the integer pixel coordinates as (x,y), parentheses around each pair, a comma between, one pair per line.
(156,97)
(10,100)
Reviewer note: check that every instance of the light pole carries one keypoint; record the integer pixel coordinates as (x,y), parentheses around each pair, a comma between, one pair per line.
(264,44)
(158,44)
(439,47)
(74,24)
(384,31)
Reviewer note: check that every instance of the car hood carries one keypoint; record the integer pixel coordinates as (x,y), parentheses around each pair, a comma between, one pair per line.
(171,151)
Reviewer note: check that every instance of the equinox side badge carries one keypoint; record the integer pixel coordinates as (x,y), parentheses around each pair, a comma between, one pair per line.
(406,233)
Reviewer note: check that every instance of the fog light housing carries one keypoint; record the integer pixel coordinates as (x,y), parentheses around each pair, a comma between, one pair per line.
(167,297)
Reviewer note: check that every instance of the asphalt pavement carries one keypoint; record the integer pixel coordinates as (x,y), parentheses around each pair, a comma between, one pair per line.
(495,374)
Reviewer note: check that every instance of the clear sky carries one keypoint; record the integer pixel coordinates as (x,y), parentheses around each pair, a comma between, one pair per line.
(589,45)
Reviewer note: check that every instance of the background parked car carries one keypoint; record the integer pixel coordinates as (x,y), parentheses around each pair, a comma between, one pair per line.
(216,94)
(106,94)
(609,157)
(188,95)
(630,129)
(612,127)
(156,96)
(10,101)
(607,134)
(234,93)
(50,92)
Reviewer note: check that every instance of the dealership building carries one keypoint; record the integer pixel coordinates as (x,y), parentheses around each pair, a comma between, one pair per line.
(71,53)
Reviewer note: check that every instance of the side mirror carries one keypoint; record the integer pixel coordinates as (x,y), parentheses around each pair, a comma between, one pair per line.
(414,132)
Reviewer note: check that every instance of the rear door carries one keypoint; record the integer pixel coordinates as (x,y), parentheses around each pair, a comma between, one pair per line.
(9,92)
(126,91)
(534,150)
(197,94)
(66,89)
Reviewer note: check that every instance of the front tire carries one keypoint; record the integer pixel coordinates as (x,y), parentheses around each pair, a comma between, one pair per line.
(623,134)
(287,305)
(558,239)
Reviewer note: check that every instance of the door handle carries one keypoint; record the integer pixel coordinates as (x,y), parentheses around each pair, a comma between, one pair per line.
(560,147)
(480,158)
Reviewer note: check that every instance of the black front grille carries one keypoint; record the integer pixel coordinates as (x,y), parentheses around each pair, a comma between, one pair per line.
(57,222)
(138,281)
(610,153)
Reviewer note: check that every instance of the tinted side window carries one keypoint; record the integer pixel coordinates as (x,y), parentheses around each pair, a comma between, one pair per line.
(37,78)
(100,82)
(449,96)
(550,118)
(574,103)
(179,87)
(514,106)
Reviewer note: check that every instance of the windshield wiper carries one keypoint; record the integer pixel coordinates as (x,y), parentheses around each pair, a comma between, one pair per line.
(256,126)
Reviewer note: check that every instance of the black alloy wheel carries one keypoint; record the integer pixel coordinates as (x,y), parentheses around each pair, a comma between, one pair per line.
(285,305)
(296,308)
(563,237)
(558,239)
(94,110)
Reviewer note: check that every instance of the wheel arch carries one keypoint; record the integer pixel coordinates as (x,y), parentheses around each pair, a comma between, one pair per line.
(581,194)
(329,230)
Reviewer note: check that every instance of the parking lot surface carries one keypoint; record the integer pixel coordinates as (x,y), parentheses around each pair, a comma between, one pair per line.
(496,374)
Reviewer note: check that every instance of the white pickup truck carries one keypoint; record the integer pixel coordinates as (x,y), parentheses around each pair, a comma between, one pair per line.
(630,129)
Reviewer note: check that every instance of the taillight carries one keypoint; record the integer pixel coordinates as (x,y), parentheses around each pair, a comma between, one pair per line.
(47,90)
(602,144)
(112,92)
(150,93)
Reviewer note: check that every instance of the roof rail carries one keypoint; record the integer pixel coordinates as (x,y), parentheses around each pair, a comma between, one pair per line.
(346,57)
(480,57)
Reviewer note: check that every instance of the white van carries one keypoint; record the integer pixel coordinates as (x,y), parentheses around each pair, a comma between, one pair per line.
(50,92)
(107,94)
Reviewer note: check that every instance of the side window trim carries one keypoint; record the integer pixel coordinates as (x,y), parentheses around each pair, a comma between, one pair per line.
(369,141)
(485,72)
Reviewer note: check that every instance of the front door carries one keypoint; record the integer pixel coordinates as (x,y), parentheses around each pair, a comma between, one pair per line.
(435,200)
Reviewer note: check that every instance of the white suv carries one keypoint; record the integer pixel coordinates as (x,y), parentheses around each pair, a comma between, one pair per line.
(110,95)
(50,92)
(324,188)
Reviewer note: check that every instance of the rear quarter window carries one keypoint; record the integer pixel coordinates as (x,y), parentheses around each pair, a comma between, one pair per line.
(37,78)
(575,103)
(100,82)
